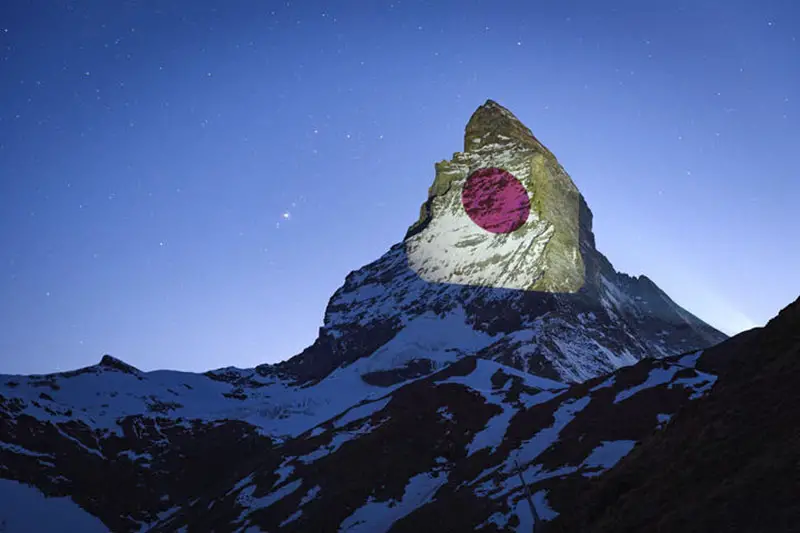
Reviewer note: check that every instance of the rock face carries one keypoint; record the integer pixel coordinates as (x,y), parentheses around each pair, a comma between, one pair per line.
(445,246)
(456,355)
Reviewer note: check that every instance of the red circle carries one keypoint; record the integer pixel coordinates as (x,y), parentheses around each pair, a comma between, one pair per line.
(495,200)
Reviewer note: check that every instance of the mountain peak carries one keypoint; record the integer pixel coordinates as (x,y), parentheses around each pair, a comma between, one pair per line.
(492,124)
(501,263)
(112,363)
(513,213)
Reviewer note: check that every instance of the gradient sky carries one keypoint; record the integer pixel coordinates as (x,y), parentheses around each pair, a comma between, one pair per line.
(149,152)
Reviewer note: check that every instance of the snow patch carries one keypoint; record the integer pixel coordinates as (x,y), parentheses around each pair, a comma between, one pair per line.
(480,379)
(375,517)
(492,435)
(249,504)
(607,454)
(440,339)
(14,448)
(529,400)
(447,415)
(657,376)
(361,411)
(663,419)
(530,449)
(543,508)
(690,360)
(309,496)
(283,471)
(699,384)
(605,384)
(523,511)
(336,442)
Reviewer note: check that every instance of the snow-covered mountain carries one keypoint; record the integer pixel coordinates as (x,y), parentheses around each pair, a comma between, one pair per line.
(504,327)
(576,319)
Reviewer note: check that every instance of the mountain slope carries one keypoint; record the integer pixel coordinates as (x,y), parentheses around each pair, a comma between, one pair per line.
(705,441)
(126,469)
(730,462)
(450,441)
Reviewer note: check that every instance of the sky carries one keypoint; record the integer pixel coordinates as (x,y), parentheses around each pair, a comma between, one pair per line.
(184,184)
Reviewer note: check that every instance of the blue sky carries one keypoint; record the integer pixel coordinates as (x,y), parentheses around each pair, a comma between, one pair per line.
(149,152)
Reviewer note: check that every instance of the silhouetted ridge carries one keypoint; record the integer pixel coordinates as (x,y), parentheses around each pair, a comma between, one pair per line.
(728,462)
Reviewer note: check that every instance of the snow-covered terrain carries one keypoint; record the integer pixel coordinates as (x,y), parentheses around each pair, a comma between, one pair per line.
(435,383)
(509,424)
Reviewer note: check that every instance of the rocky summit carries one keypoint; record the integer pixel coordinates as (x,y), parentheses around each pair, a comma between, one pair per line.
(493,362)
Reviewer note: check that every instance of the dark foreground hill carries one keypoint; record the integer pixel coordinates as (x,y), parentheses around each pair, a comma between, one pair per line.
(728,462)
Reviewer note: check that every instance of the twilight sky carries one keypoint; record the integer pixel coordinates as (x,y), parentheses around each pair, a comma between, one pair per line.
(184,184)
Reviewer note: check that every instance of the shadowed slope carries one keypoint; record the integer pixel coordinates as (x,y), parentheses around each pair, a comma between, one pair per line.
(729,462)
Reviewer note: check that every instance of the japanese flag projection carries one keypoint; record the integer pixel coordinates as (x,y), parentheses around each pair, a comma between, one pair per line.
(500,218)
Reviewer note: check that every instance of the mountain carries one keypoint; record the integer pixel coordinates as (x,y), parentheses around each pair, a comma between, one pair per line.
(443,292)
(494,333)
